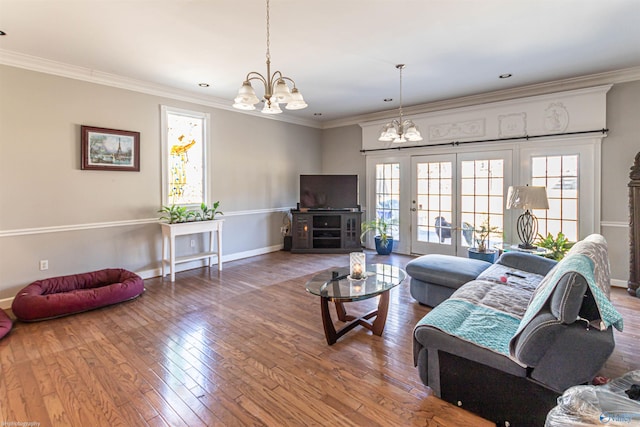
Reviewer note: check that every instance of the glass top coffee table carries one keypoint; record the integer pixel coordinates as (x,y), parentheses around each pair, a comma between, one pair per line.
(334,285)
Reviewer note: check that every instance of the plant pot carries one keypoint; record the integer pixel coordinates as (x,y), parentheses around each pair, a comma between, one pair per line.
(381,249)
(491,255)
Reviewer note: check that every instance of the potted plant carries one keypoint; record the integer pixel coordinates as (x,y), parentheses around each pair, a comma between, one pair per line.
(382,234)
(481,251)
(207,213)
(176,214)
(558,245)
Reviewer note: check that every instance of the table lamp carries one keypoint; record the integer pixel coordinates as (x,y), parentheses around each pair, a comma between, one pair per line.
(527,198)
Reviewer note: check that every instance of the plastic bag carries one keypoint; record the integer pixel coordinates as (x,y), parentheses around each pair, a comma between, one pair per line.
(605,405)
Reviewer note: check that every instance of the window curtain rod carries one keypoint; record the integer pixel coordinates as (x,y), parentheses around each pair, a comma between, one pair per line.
(603,131)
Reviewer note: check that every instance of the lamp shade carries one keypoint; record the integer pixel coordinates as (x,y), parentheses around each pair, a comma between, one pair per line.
(297,101)
(282,93)
(527,197)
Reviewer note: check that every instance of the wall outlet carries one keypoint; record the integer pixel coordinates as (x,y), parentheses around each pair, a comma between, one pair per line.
(44,264)
(193,243)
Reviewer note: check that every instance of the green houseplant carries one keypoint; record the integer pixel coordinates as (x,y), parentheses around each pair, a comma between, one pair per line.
(558,245)
(481,238)
(381,228)
(176,214)
(207,213)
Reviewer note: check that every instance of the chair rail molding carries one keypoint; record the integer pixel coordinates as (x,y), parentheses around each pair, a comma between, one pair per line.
(123,223)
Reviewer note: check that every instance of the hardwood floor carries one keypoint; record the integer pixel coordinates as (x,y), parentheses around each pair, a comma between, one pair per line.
(244,346)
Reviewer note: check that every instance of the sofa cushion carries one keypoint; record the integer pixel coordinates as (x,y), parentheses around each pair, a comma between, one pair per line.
(445,270)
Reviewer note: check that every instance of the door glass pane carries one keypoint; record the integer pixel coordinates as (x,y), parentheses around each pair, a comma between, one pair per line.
(434,202)
(388,195)
(482,199)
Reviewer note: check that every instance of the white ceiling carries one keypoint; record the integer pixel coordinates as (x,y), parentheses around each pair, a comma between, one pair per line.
(341,53)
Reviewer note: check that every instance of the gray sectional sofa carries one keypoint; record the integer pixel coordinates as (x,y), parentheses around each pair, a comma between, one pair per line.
(506,344)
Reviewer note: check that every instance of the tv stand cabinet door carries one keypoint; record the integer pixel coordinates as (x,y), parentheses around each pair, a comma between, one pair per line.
(351,226)
(302,231)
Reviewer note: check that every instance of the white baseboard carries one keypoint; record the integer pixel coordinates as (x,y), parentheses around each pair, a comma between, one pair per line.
(5,303)
(617,283)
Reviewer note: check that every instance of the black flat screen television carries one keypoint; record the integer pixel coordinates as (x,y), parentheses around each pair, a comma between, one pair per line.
(328,191)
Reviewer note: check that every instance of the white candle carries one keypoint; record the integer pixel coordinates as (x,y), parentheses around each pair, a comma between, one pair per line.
(357,265)
(357,271)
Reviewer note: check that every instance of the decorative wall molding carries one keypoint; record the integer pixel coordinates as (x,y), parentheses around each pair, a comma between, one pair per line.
(510,125)
(531,116)
(556,118)
(125,223)
(449,131)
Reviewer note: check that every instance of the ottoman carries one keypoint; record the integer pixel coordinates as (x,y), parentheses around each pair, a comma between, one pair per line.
(435,277)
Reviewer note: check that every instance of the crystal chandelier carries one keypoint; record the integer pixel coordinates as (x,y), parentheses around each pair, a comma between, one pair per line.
(276,90)
(400,130)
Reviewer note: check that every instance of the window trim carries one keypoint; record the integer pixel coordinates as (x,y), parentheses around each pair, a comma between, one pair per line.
(589,169)
(165,110)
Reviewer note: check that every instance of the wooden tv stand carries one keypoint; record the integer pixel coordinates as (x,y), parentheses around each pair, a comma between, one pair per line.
(325,231)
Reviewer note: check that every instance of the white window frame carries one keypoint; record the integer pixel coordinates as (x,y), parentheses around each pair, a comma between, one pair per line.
(164,112)
(589,179)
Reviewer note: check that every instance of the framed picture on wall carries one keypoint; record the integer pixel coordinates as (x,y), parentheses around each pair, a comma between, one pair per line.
(109,149)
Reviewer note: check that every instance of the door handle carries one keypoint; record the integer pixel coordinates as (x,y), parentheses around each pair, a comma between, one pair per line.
(413,209)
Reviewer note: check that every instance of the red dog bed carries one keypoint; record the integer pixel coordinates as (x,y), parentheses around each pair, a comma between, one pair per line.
(5,324)
(60,296)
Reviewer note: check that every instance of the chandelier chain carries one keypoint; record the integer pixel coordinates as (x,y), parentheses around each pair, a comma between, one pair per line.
(401,66)
(268,37)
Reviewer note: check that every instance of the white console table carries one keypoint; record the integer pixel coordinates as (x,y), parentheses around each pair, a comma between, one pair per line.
(169,233)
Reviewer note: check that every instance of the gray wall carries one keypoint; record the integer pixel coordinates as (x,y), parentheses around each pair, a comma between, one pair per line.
(51,209)
(618,152)
(341,154)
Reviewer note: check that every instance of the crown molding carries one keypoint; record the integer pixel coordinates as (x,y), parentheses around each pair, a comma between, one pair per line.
(575,83)
(47,66)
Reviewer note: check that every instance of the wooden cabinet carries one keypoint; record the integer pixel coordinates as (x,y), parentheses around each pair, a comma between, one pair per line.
(326,231)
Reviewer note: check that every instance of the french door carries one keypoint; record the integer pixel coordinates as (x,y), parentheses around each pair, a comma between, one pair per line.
(454,194)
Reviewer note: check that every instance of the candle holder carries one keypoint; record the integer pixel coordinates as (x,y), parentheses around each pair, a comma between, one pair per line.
(357,265)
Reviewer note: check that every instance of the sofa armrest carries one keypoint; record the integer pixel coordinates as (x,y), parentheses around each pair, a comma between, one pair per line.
(527,262)
(575,357)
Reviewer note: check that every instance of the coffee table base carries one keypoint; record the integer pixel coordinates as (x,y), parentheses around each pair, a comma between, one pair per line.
(377,326)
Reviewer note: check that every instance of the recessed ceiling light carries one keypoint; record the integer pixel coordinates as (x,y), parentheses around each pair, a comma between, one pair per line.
(505,75)
(388,99)
(317,114)
(203,84)
(2,33)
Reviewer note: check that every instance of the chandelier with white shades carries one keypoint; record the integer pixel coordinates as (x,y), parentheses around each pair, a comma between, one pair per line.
(400,130)
(276,90)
